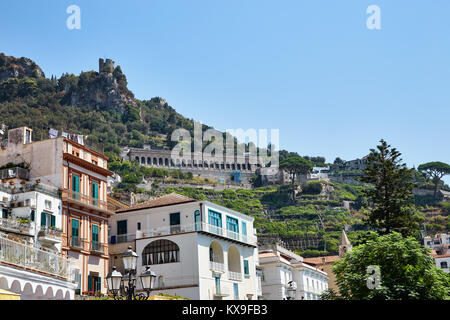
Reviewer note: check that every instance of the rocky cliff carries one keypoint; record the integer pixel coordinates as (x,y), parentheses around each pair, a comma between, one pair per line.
(11,67)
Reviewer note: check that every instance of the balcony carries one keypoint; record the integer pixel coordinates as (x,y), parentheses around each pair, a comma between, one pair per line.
(50,235)
(16,172)
(87,201)
(236,276)
(26,257)
(97,248)
(199,226)
(221,291)
(16,226)
(216,267)
(78,243)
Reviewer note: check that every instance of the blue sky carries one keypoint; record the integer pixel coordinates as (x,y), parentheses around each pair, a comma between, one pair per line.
(309,68)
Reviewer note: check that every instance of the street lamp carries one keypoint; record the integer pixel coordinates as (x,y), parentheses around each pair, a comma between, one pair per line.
(115,279)
(291,290)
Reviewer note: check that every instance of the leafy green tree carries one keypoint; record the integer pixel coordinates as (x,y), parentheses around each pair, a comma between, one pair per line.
(295,166)
(391,196)
(435,171)
(406,271)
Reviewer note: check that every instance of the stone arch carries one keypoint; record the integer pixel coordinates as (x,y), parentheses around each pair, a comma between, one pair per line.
(149,161)
(166,162)
(136,158)
(233,167)
(183,163)
(27,293)
(49,293)
(4,283)
(59,295)
(160,161)
(142,160)
(239,166)
(234,260)
(155,161)
(16,287)
(39,292)
(243,166)
(67,295)
(215,252)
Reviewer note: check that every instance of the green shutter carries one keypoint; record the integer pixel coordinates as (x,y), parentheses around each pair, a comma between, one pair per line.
(246,271)
(94,190)
(75,183)
(75,227)
(99,284)
(90,283)
(95,233)
(53,220)
(43,219)
(4,213)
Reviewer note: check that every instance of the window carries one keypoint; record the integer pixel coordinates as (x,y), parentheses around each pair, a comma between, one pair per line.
(95,190)
(236,291)
(122,231)
(75,232)
(217,279)
(27,136)
(444,265)
(75,187)
(215,218)
(48,205)
(175,222)
(47,220)
(232,224)
(159,252)
(95,244)
(246,269)
(4,213)
(94,283)
(244,228)
(33,212)
(197,219)
(139,226)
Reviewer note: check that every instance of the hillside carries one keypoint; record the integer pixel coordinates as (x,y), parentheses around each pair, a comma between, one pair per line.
(96,104)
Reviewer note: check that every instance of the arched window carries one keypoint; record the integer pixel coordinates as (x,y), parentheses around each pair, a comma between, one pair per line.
(159,252)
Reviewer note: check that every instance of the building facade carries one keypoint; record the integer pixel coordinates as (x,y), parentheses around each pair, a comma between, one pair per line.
(80,176)
(281,266)
(198,250)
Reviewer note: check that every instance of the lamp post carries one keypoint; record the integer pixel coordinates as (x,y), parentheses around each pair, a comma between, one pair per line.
(291,290)
(115,279)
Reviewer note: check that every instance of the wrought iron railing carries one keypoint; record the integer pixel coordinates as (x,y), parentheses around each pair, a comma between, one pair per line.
(87,200)
(97,247)
(50,232)
(78,243)
(23,256)
(16,172)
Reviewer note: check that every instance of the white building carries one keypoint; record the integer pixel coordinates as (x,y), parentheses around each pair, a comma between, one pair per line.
(280,266)
(442,262)
(198,250)
(440,243)
(30,240)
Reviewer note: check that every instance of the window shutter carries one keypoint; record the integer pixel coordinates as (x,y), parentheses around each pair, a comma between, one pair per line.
(89,283)
(246,271)
(32,215)
(43,219)
(99,284)
(53,218)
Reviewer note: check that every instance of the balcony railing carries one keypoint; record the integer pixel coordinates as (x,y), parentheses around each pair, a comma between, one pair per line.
(17,172)
(50,234)
(221,291)
(80,198)
(23,256)
(13,225)
(216,266)
(237,276)
(198,226)
(78,243)
(98,248)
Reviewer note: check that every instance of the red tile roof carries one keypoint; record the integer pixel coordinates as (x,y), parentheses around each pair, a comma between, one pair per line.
(167,200)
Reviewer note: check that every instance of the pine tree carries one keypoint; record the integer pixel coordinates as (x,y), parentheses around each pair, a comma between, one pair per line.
(391,196)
